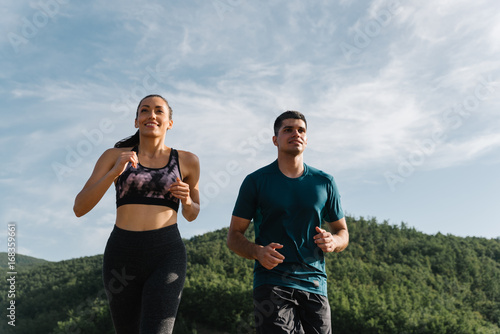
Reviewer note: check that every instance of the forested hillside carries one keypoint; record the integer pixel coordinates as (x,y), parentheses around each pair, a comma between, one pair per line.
(391,279)
(22,261)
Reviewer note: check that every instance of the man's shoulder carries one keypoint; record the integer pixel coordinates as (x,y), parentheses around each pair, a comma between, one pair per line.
(318,173)
(268,169)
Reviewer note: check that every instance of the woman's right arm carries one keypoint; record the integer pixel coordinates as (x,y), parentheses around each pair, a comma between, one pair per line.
(109,166)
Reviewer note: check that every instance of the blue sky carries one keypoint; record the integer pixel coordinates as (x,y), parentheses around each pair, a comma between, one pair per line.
(401,97)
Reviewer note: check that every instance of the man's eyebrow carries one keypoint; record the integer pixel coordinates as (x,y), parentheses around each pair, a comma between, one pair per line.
(291,127)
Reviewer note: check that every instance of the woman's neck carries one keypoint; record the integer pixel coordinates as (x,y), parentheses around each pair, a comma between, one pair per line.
(152,147)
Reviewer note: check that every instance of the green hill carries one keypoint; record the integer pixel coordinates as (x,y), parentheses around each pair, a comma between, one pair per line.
(22,261)
(391,279)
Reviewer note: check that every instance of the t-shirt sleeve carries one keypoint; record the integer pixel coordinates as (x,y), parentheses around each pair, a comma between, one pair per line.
(246,203)
(333,209)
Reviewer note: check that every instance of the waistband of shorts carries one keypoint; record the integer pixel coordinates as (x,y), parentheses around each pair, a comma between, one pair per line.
(162,235)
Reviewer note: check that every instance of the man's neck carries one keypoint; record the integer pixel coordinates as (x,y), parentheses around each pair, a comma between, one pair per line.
(291,166)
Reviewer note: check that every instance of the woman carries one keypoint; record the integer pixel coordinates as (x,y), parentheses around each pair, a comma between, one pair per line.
(145,259)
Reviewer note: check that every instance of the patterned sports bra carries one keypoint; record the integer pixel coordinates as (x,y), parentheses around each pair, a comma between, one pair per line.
(144,185)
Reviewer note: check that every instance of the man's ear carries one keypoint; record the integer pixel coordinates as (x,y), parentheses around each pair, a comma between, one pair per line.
(275,141)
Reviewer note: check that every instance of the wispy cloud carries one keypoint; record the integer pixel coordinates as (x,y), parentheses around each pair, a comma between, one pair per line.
(377,82)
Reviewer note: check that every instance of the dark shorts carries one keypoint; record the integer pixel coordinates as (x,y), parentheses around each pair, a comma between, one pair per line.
(280,309)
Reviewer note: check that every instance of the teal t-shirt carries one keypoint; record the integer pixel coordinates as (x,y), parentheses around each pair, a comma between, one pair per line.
(286,211)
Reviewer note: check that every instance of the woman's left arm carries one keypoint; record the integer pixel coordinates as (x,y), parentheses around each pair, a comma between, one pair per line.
(187,189)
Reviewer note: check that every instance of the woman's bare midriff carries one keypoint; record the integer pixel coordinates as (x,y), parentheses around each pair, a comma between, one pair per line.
(140,217)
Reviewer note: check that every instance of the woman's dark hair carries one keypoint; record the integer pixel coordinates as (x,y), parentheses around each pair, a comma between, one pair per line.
(287,115)
(133,140)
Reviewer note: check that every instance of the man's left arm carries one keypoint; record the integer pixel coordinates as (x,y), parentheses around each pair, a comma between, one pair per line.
(335,240)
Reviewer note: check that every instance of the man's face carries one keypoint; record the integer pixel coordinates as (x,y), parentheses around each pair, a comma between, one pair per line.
(292,137)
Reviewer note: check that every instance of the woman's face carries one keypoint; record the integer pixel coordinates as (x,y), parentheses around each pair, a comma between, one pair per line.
(153,117)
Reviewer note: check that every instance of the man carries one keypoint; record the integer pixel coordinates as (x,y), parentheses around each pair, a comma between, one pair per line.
(288,201)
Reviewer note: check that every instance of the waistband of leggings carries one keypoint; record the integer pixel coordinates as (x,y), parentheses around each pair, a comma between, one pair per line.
(162,235)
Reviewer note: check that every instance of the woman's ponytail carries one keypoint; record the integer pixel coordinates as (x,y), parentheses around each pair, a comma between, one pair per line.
(131,141)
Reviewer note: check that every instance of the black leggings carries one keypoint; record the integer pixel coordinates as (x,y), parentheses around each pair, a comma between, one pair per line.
(143,274)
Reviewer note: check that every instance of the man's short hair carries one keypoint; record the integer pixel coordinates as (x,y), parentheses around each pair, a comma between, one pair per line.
(287,115)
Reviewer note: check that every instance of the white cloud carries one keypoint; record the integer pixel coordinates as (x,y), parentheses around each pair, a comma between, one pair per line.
(227,76)
(463,152)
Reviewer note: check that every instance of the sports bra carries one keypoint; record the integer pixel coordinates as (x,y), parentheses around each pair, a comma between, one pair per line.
(145,185)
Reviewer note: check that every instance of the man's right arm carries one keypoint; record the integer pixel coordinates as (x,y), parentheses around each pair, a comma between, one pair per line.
(268,256)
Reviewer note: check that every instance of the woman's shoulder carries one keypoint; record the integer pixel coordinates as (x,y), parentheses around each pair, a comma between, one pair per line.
(114,152)
(117,150)
(188,158)
(186,155)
